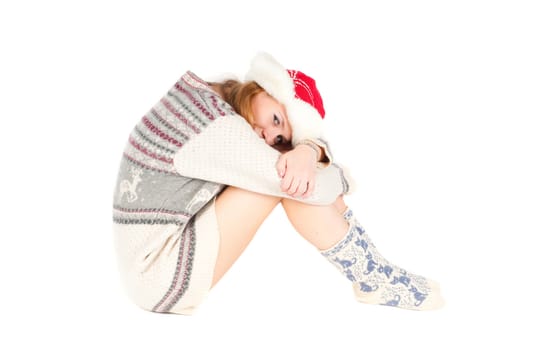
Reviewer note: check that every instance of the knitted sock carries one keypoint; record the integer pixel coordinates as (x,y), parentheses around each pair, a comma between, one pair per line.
(376,280)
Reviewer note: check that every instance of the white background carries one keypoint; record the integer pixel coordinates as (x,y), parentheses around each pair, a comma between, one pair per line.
(439,108)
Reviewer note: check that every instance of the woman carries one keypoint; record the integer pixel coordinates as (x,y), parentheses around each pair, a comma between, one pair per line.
(192,163)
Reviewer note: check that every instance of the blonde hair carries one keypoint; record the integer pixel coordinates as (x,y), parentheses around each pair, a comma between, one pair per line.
(240,95)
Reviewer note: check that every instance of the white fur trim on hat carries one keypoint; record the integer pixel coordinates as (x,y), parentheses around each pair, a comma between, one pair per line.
(274,78)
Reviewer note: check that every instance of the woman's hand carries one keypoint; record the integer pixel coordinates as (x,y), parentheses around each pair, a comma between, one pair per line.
(297,170)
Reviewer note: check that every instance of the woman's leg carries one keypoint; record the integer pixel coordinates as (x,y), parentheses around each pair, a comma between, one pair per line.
(240,213)
(322,226)
(340,205)
(344,242)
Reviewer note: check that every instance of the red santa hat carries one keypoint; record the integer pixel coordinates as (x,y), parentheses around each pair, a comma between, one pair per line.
(295,90)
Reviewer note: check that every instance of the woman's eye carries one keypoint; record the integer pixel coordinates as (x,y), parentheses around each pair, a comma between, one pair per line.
(279,140)
(276,120)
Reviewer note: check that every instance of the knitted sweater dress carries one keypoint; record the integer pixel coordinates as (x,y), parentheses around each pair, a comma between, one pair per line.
(178,158)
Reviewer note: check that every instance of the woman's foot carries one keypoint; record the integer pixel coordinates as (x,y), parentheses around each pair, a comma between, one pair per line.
(376,280)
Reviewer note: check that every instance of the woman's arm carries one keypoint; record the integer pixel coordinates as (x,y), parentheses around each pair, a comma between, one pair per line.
(229,152)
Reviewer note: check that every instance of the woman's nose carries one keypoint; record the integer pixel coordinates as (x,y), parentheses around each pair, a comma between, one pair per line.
(259,132)
(269,135)
(266,134)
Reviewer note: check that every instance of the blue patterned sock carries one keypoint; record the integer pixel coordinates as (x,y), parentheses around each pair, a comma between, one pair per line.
(376,280)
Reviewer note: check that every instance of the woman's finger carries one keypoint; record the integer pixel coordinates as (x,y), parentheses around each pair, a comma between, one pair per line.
(286,183)
(281,165)
(302,189)
(310,188)
(292,191)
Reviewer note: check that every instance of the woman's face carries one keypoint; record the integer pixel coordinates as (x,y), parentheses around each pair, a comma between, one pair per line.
(270,121)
